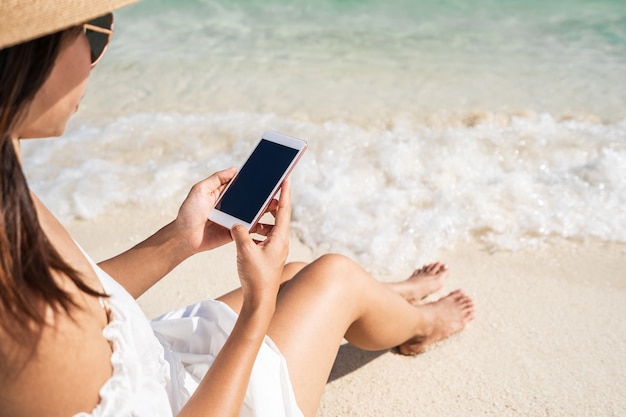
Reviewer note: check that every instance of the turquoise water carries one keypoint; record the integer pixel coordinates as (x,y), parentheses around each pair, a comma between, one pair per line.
(562,57)
(429,123)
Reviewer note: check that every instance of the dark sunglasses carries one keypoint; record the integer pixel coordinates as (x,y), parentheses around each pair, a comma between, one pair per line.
(99,32)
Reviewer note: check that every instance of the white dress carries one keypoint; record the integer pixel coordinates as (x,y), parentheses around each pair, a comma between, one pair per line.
(158,364)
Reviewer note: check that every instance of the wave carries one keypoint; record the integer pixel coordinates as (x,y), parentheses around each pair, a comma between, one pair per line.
(390,195)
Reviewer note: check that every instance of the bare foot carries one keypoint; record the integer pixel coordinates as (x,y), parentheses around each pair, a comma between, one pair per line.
(422,282)
(445,317)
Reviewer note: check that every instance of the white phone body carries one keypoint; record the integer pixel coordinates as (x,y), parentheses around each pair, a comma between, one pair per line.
(249,193)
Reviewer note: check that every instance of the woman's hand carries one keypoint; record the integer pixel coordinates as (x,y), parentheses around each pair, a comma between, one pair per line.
(222,390)
(260,264)
(140,267)
(198,232)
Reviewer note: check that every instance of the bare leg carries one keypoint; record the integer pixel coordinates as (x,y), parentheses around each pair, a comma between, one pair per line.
(333,298)
(422,282)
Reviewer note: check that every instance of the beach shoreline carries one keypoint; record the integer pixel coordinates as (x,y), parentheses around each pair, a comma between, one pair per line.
(548,339)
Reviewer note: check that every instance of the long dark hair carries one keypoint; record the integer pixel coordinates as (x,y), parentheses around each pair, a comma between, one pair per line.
(27,258)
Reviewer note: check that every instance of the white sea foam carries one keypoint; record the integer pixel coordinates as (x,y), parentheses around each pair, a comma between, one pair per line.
(389,196)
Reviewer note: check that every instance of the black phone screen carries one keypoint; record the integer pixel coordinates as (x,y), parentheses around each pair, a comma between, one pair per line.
(256,180)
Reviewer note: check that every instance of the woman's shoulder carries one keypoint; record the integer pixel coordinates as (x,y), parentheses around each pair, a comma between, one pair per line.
(62,369)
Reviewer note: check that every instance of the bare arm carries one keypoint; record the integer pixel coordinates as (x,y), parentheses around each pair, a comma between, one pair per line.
(222,390)
(142,266)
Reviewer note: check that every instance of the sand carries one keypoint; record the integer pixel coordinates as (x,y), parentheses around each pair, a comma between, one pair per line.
(549,338)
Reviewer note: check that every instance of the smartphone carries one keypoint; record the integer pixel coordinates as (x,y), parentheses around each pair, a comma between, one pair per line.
(249,193)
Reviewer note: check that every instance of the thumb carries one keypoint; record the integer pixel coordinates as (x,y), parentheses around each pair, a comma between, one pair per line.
(241,236)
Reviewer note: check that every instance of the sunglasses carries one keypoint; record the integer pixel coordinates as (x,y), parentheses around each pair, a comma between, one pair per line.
(99,32)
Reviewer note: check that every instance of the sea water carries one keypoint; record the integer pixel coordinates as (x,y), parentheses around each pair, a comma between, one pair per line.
(429,122)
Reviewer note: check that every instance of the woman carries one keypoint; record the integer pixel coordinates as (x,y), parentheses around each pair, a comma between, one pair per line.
(72,339)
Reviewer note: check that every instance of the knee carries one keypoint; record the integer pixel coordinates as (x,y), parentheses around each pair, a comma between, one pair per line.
(337,271)
(335,261)
(291,269)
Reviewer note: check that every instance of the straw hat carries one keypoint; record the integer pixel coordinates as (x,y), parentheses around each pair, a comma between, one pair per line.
(23,20)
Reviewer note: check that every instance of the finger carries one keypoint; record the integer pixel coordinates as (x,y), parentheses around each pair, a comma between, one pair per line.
(262,229)
(242,238)
(285,194)
(272,206)
(283,213)
(221,177)
(216,183)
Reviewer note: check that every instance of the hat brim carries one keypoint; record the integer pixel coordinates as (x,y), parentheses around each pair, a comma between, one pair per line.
(22,21)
